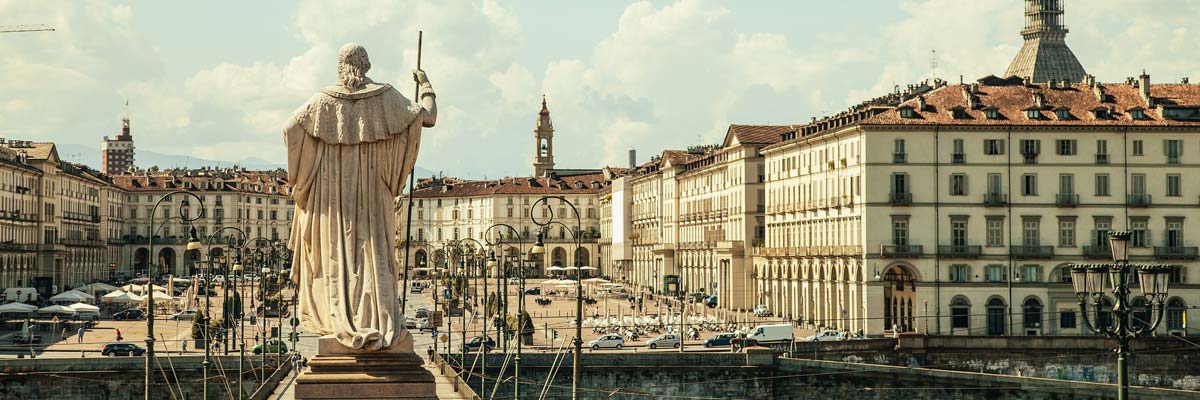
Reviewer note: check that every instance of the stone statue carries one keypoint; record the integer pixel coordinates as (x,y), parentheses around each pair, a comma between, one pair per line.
(350,149)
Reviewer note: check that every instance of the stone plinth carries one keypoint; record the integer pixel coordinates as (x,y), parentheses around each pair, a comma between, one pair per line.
(340,373)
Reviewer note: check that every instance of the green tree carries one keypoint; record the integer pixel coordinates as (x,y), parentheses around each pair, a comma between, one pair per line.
(198,325)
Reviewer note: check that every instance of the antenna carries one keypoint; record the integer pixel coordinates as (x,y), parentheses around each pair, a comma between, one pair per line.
(933,64)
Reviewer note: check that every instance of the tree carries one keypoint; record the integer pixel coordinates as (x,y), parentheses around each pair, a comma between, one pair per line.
(198,325)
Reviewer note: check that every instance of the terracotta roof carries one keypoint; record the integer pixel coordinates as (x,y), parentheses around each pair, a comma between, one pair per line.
(450,187)
(218,180)
(35,150)
(756,134)
(1013,100)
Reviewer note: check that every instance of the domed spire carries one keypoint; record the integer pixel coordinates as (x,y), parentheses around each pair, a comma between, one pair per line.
(545,111)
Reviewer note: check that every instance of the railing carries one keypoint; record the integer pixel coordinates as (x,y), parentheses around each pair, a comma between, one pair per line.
(901,250)
(1097,252)
(1066,200)
(1138,200)
(960,251)
(1176,253)
(1029,158)
(900,199)
(1102,159)
(958,158)
(18,247)
(995,199)
(899,158)
(1033,252)
(81,217)
(82,242)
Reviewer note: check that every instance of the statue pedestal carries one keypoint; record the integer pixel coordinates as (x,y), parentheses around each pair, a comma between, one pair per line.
(337,372)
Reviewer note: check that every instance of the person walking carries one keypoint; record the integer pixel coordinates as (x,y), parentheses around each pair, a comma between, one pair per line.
(184,347)
(80,335)
(119,337)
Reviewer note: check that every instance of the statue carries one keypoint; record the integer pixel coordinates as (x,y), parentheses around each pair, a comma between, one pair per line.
(350,149)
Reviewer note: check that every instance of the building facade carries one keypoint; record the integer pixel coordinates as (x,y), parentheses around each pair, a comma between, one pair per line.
(117,154)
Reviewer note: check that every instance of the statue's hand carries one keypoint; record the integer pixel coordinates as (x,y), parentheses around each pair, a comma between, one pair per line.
(420,77)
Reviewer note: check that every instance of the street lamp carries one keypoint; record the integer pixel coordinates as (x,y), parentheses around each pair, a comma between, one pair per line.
(475,262)
(540,248)
(520,295)
(207,296)
(187,219)
(1090,281)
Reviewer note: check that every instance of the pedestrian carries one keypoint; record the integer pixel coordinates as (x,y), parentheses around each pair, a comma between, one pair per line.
(430,351)
(80,334)
(184,347)
(119,338)
(895,331)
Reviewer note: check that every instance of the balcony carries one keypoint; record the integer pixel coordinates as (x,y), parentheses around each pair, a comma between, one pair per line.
(1176,253)
(899,158)
(18,247)
(963,251)
(900,199)
(1101,158)
(1029,158)
(82,242)
(995,199)
(1033,252)
(1097,252)
(1138,200)
(901,250)
(1066,200)
(958,158)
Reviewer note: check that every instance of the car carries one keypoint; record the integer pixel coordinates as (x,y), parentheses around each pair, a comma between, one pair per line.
(477,342)
(423,324)
(410,323)
(827,335)
(711,301)
(607,342)
(21,339)
(720,340)
(274,346)
(218,279)
(762,310)
(777,333)
(514,281)
(416,287)
(665,340)
(535,291)
(422,313)
(184,315)
(122,349)
(130,314)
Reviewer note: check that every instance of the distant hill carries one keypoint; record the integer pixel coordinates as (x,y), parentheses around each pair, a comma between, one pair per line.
(90,156)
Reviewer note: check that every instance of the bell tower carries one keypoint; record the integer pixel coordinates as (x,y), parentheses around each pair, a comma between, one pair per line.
(543,143)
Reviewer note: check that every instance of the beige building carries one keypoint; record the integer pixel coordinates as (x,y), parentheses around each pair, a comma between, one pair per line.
(258,202)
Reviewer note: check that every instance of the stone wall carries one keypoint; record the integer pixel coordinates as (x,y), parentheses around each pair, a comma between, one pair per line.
(119,378)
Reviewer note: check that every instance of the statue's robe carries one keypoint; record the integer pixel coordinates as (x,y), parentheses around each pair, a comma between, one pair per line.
(349,154)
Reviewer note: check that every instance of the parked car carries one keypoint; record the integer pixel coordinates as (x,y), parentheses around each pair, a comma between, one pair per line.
(274,346)
(534,291)
(479,341)
(711,301)
(827,335)
(665,340)
(422,313)
(720,340)
(410,323)
(762,310)
(423,324)
(185,315)
(122,349)
(132,314)
(21,339)
(82,315)
(514,281)
(781,333)
(607,342)
(219,279)
(416,287)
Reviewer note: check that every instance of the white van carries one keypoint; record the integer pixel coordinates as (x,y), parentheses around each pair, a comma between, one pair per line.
(771,334)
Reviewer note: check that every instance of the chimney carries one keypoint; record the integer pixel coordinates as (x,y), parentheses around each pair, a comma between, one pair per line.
(1052,84)
(1184,80)
(1144,81)
(1039,100)
(921,103)
(632,158)
(1099,92)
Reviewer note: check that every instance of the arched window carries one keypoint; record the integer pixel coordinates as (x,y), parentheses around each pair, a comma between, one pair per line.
(1141,314)
(960,313)
(996,316)
(1175,310)
(1032,311)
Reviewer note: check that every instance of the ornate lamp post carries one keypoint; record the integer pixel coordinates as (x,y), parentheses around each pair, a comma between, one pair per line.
(1093,280)
(192,245)
(499,241)
(207,296)
(540,248)
(474,256)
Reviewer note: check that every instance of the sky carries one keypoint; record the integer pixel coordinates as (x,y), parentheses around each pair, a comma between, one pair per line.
(217,79)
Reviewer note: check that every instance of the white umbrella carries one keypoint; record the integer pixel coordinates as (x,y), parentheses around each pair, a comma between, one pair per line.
(556,269)
(587,268)
(596,280)
(162,296)
(113,294)
(56,309)
(125,297)
(97,287)
(16,307)
(84,307)
(73,296)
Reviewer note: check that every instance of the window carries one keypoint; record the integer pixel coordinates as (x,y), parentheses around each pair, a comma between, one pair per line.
(1032,310)
(1030,149)
(958,184)
(958,232)
(960,314)
(1064,274)
(1066,184)
(1137,184)
(1139,233)
(1063,114)
(908,112)
(1175,310)
(1066,147)
(1101,151)
(995,273)
(1029,185)
(960,273)
(995,232)
(900,232)
(1066,233)
(1029,232)
(1031,273)
(1173,149)
(1066,319)
(898,155)
(1173,185)
(1137,147)
(899,183)
(1137,113)
(992,113)
(1102,184)
(1174,233)
(1033,114)
(958,157)
(993,147)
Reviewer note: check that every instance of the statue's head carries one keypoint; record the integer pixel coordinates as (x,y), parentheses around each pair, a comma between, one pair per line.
(353,65)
